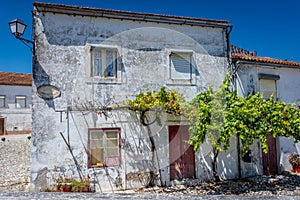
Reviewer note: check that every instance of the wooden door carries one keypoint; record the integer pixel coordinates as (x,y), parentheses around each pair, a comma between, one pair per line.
(181,154)
(270,159)
(2,129)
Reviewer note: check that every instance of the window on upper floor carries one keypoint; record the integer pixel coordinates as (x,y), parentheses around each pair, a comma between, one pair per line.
(268,85)
(20,102)
(104,62)
(104,147)
(180,66)
(2,101)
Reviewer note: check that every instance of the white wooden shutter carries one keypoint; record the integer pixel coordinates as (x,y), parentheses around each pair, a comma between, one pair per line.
(180,66)
(268,87)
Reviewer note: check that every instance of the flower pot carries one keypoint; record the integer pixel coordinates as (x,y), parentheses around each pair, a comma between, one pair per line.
(63,189)
(66,187)
(296,168)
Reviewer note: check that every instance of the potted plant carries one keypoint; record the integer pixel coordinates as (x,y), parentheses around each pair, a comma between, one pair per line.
(72,185)
(294,160)
(80,186)
(64,184)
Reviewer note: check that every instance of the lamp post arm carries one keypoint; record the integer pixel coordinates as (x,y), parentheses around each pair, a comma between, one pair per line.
(26,42)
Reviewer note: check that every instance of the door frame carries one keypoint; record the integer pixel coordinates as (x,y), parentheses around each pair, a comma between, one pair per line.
(3,121)
(267,168)
(177,164)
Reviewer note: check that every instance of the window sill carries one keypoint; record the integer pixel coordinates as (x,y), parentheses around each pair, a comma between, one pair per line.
(181,82)
(99,80)
(103,166)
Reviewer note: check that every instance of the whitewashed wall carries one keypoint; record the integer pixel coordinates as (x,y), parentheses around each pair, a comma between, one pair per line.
(287,90)
(63,45)
(16,119)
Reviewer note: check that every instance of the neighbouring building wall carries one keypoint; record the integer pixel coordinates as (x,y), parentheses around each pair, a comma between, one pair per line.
(16,111)
(63,57)
(287,86)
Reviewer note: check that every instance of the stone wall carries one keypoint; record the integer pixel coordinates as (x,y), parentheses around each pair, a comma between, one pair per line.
(15,163)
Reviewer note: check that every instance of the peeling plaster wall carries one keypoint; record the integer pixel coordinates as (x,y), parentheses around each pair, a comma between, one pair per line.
(288,90)
(63,45)
(227,164)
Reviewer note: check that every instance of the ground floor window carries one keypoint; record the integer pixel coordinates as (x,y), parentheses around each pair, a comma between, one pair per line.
(104,147)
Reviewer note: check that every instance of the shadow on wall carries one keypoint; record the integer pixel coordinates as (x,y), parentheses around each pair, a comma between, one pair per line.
(41,78)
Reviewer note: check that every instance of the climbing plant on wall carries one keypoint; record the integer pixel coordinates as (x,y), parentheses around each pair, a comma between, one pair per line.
(157,101)
(207,117)
(218,115)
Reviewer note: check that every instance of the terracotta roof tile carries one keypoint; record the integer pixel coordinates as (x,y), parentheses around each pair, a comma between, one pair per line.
(240,56)
(9,78)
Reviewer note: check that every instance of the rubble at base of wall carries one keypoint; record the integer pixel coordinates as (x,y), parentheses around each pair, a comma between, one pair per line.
(15,163)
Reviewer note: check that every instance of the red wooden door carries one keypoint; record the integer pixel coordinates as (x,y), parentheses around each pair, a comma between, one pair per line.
(181,154)
(270,159)
(1,126)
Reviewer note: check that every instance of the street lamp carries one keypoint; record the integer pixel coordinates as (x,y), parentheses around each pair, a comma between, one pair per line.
(17,28)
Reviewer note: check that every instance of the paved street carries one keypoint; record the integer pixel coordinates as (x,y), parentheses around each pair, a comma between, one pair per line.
(87,196)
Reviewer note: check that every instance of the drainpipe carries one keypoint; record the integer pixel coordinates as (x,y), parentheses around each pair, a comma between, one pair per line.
(228,31)
(232,72)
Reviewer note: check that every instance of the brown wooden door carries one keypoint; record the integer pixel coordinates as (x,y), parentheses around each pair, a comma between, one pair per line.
(182,155)
(2,126)
(270,159)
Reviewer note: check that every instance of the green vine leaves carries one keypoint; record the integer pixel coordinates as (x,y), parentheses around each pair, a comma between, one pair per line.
(219,115)
(158,101)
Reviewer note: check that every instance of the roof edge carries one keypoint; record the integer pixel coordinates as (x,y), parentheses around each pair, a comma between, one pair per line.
(15,79)
(128,15)
(261,59)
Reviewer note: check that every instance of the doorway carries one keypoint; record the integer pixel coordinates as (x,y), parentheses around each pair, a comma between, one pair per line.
(181,154)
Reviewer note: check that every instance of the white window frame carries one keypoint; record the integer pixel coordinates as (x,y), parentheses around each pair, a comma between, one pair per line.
(101,136)
(100,76)
(269,77)
(20,98)
(191,80)
(3,100)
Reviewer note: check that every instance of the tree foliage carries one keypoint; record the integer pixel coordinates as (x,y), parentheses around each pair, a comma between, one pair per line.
(220,114)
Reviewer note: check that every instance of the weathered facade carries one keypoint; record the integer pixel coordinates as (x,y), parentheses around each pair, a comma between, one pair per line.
(15,103)
(268,76)
(86,59)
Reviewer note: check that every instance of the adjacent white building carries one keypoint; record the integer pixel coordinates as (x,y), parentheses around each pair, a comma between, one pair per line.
(268,76)
(15,103)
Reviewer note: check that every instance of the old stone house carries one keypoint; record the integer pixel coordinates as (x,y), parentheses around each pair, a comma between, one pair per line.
(15,103)
(268,76)
(89,58)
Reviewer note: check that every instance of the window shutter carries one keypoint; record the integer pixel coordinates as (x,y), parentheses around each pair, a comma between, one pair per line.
(180,66)
(268,87)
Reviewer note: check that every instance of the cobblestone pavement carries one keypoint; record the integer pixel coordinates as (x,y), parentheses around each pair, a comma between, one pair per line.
(14,156)
(90,196)
(15,163)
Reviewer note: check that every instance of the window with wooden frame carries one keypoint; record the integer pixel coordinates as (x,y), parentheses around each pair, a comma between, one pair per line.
(20,102)
(104,62)
(2,101)
(104,147)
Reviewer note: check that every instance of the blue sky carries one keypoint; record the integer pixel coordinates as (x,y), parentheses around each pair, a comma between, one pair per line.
(272,28)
